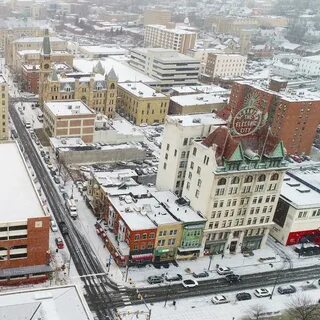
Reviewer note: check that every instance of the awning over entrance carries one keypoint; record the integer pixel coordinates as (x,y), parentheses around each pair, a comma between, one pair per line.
(22,271)
(188,249)
(146,256)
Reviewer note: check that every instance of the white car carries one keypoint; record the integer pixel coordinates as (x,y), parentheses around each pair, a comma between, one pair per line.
(224,270)
(262,292)
(219,299)
(53,226)
(190,283)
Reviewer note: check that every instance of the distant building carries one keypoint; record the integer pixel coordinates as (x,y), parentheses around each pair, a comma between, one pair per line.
(156,16)
(168,66)
(69,119)
(297,215)
(24,241)
(97,52)
(158,36)
(142,104)
(310,66)
(4,134)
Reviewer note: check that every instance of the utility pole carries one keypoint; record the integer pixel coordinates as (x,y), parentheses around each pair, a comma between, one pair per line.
(210,260)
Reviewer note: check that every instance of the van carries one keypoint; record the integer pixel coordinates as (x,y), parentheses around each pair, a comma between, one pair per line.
(53,226)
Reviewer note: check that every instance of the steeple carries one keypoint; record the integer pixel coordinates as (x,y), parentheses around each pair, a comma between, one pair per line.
(46,47)
(112,75)
(98,68)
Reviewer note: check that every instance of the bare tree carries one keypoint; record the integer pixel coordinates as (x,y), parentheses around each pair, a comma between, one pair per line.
(256,312)
(303,308)
(63,171)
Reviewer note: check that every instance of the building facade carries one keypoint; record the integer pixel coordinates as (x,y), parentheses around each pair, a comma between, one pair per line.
(69,119)
(4,129)
(168,66)
(159,36)
(179,133)
(141,104)
(156,16)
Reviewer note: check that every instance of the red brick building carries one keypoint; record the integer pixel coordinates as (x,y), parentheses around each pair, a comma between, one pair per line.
(292,118)
(24,228)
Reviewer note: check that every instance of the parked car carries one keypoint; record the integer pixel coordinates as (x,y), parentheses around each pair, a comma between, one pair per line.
(65,195)
(138,171)
(233,278)
(53,226)
(177,277)
(203,274)
(262,292)
(189,283)
(56,180)
(243,296)
(59,243)
(62,189)
(50,165)
(155,279)
(42,153)
(219,299)
(287,289)
(224,270)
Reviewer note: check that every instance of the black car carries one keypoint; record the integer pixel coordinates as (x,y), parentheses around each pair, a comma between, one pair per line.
(233,278)
(42,153)
(139,172)
(203,274)
(286,289)
(56,179)
(177,277)
(243,296)
(65,195)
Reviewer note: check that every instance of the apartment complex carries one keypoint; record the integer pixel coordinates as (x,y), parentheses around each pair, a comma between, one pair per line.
(297,215)
(235,183)
(97,90)
(24,227)
(141,104)
(293,117)
(168,66)
(159,36)
(178,136)
(225,65)
(4,133)
(156,16)
(143,224)
(69,119)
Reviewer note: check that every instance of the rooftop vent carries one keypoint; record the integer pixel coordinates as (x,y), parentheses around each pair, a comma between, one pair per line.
(196,120)
(294,184)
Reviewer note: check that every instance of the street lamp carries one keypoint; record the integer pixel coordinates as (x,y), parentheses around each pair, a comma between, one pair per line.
(275,283)
(210,260)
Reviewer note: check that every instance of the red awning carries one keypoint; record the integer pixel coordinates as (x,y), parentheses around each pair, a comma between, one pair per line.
(146,256)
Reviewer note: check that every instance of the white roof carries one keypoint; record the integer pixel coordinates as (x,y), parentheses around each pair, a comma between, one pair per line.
(141,90)
(67,108)
(184,89)
(198,99)
(37,40)
(66,142)
(173,30)
(312,58)
(123,71)
(55,303)
(105,50)
(23,203)
(2,79)
(114,178)
(196,119)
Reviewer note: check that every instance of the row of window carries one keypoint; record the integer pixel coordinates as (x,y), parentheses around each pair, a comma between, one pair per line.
(225,235)
(164,233)
(304,214)
(170,242)
(144,236)
(143,246)
(237,222)
(248,179)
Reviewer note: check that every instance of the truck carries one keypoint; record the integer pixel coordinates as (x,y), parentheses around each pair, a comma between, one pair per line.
(63,227)
(72,207)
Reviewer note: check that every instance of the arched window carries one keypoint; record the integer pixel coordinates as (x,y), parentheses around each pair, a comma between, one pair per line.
(112,86)
(235,180)
(275,176)
(248,179)
(222,182)
(262,177)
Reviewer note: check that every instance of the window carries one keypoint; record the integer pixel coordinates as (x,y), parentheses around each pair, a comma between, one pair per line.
(179,174)
(144,236)
(215,204)
(183,154)
(178,184)
(137,237)
(185,141)
(168,146)
(222,182)
(194,151)
(262,177)
(175,152)
(151,235)
(248,179)
(273,198)
(188,185)
(191,165)
(165,166)
(198,170)
(275,176)
(199,183)
(166,156)
(235,180)
(190,175)
(197,193)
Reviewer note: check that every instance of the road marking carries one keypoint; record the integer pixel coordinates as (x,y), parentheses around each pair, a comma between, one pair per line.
(127,303)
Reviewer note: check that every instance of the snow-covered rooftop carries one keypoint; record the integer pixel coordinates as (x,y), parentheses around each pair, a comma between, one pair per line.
(37,40)
(173,30)
(103,50)
(18,197)
(141,90)
(196,119)
(114,178)
(55,303)
(66,142)
(68,108)
(198,99)
(2,79)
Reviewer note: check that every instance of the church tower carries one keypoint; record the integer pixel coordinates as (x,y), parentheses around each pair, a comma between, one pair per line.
(111,96)
(45,66)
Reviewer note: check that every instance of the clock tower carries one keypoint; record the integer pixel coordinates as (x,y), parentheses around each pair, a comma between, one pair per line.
(45,65)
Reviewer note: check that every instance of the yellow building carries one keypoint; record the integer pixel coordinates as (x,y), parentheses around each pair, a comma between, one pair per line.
(142,104)
(3,109)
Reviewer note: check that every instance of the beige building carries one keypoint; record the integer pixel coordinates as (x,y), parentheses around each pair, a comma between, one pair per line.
(225,65)
(158,36)
(156,16)
(4,109)
(69,119)
(233,25)
(141,103)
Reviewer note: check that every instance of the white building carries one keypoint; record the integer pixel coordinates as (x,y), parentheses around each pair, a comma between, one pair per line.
(298,211)
(179,133)
(310,66)
(159,36)
(168,66)
(225,65)
(235,183)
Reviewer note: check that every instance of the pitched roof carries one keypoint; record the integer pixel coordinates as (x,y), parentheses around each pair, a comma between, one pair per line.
(54,76)
(112,75)
(98,68)
(46,47)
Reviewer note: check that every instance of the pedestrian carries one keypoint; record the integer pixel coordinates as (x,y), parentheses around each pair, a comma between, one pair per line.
(222,255)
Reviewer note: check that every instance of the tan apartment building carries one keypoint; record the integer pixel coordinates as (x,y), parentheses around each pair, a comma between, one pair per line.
(3,109)
(141,103)
(156,16)
(69,119)
(159,36)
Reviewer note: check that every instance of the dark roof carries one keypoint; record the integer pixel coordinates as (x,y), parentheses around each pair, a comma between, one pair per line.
(46,47)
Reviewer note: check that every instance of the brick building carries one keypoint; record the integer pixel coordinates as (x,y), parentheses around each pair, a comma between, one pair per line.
(293,117)
(24,228)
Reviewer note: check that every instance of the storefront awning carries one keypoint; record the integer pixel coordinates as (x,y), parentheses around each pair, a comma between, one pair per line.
(146,256)
(188,249)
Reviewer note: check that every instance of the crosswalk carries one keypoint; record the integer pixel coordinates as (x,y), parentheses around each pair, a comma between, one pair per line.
(125,298)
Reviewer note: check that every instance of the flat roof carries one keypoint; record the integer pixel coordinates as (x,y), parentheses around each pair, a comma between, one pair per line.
(198,99)
(67,108)
(312,58)
(108,50)
(141,90)
(18,197)
(2,79)
(63,303)
(37,40)
(172,30)
(196,119)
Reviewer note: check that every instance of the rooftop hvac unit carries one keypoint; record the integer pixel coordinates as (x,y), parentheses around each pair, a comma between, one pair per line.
(70,107)
(141,93)
(196,120)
